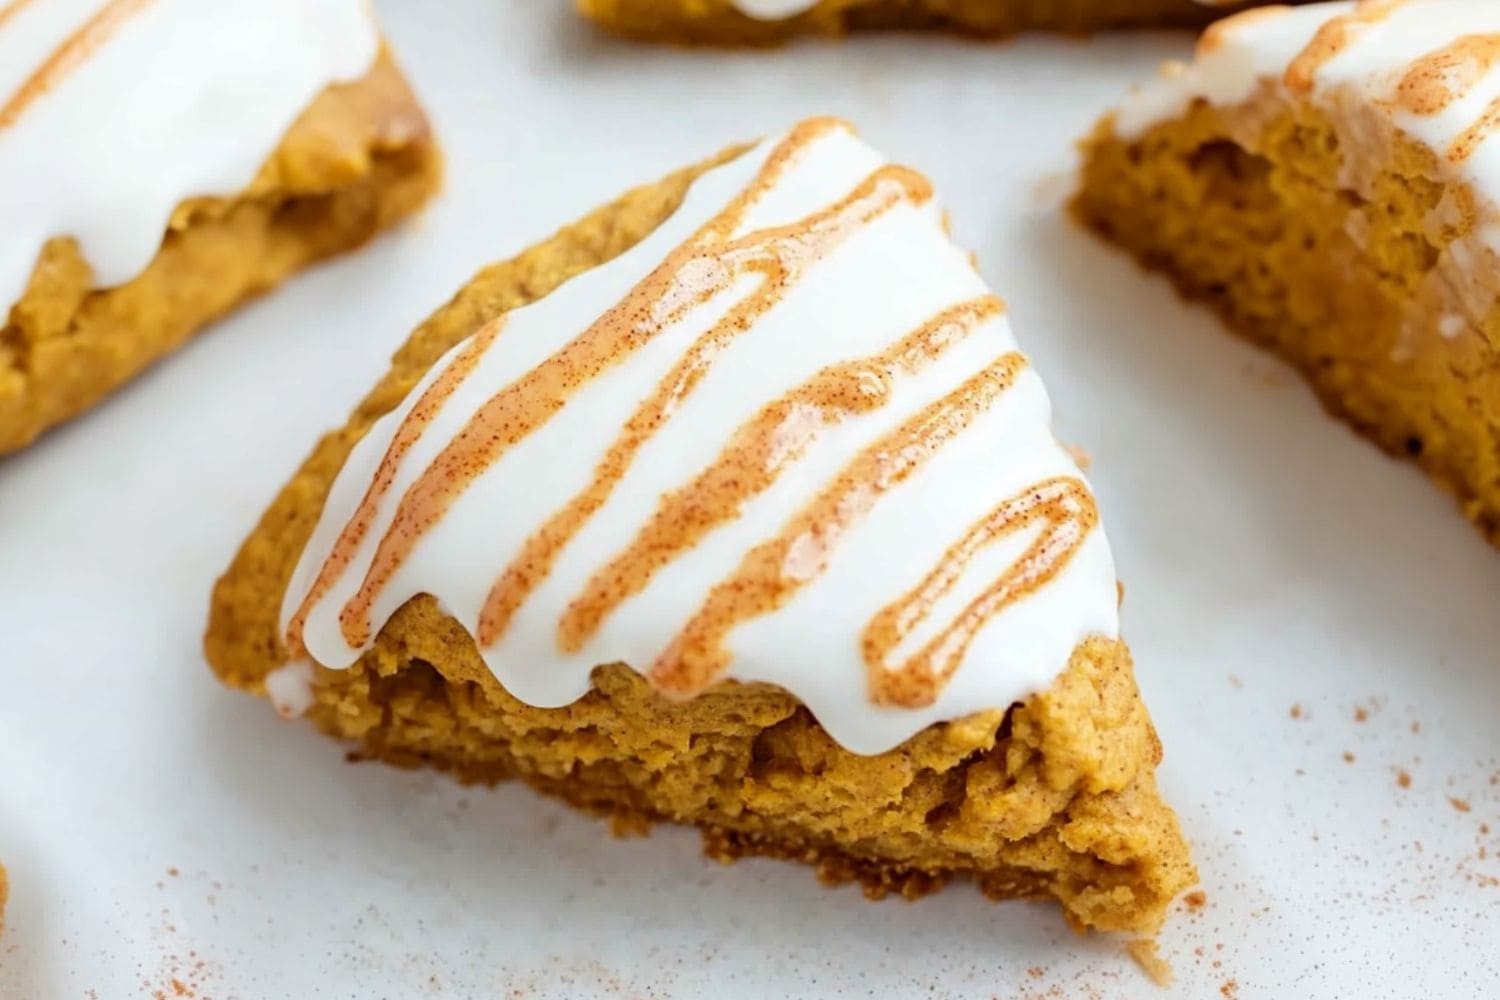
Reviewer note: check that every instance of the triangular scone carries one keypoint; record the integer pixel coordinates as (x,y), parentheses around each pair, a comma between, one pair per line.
(765,22)
(760,432)
(1328,180)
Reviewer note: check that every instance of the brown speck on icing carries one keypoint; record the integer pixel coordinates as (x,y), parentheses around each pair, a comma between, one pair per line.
(772,572)
(755,456)
(412,427)
(710,261)
(1336,35)
(1067,513)
(74,51)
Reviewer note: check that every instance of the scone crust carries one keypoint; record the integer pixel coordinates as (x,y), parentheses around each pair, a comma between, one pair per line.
(1055,796)
(357,160)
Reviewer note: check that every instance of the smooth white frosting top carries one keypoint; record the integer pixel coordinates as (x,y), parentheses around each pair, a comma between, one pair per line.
(886,280)
(1255,49)
(777,10)
(773,10)
(184,98)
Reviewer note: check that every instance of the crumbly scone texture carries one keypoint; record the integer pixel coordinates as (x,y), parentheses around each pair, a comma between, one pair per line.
(357,160)
(718,22)
(1055,796)
(1346,262)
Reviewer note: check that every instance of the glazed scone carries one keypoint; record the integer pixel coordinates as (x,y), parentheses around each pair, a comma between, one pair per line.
(1327,179)
(766,22)
(257,139)
(733,504)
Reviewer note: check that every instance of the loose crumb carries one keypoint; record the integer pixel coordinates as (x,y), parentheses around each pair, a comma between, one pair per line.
(1462,805)
(1230,990)
(1235,682)
(1296,711)
(1361,714)
(1348,757)
(1196,899)
(1403,777)
(1146,955)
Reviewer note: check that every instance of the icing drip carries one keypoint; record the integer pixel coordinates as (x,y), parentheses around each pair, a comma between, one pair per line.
(765,444)
(213,85)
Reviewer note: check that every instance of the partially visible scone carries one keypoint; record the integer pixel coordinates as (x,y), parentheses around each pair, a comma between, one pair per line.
(766,22)
(1328,180)
(264,159)
(733,504)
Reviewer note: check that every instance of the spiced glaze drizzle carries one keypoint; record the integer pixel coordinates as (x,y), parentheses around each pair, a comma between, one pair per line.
(764,264)
(73,52)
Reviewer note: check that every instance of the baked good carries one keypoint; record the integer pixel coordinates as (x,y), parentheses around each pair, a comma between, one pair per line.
(766,22)
(1326,179)
(253,139)
(760,432)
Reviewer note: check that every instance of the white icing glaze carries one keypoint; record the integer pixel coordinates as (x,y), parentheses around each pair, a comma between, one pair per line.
(773,10)
(886,279)
(290,688)
(779,10)
(183,98)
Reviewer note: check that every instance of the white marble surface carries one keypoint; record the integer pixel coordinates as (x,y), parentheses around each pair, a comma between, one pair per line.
(160,828)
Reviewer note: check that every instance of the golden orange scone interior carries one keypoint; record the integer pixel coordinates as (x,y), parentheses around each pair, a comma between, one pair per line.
(1055,796)
(720,22)
(1328,255)
(357,160)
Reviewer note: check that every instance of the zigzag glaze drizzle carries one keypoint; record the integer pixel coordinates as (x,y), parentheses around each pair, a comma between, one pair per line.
(787,438)
(212,86)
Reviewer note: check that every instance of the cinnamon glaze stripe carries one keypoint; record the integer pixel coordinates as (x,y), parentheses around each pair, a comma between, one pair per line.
(755,457)
(412,427)
(703,267)
(1333,37)
(1067,512)
(13,8)
(774,571)
(1445,76)
(74,51)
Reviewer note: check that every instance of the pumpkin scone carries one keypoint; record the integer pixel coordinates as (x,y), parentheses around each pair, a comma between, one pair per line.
(249,141)
(767,22)
(1328,180)
(732,504)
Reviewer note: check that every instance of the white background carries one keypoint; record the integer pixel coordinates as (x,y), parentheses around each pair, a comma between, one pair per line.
(1270,559)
